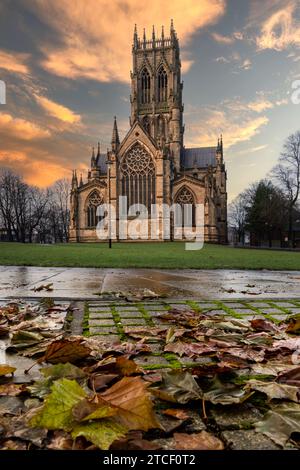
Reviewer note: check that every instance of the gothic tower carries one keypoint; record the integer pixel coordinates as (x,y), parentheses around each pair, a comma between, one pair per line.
(156,90)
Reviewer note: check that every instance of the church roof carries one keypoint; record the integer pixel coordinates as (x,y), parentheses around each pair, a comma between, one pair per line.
(200,157)
(101,162)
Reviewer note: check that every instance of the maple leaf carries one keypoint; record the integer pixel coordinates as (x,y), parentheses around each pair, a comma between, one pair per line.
(56,412)
(135,409)
(65,350)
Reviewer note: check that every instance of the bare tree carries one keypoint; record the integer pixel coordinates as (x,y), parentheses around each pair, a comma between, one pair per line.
(59,212)
(287,173)
(237,217)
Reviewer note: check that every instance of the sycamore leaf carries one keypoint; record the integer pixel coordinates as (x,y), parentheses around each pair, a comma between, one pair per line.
(260,324)
(65,350)
(6,369)
(280,422)
(101,433)
(42,387)
(88,409)
(56,413)
(178,387)
(130,396)
(200,441)
(274,390)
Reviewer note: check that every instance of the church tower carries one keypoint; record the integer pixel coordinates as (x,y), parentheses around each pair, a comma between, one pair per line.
(156,90)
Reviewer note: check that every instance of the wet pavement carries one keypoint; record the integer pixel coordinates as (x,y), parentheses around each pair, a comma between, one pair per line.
(89,283)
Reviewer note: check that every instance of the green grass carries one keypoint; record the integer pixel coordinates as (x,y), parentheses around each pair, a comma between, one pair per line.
(145,255)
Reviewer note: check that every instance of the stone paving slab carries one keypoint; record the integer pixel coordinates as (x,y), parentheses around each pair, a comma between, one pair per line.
(88,283)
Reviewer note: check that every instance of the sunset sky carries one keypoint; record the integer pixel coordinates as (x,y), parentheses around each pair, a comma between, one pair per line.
(66,65)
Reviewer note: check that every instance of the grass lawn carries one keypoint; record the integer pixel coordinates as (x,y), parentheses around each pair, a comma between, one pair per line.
(145,255)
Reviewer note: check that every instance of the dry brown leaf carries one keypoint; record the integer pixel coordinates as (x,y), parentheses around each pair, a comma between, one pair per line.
(176,413)
(130,396)
(65,350)
(200,441)
(5,369)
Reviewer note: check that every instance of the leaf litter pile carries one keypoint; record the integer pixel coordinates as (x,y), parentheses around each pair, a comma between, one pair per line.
(93,395)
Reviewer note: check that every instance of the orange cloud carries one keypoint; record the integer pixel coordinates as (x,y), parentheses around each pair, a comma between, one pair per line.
(15,62)
(281,29)
(96,35)
(21,129)
(57,110)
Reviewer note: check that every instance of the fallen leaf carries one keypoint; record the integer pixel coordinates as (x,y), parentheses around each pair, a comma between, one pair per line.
(225,393)
(65,350)
(176,413)
(56,412)
(12,390)
(178,387)
(47,287)
(101,433)
(189,349)
(293,324)
(42,387)
(290,377)
(135,409)
(274,390)
(89,409)
(200,441)
(280,422)
(264,325)
(99,381)
(5,369)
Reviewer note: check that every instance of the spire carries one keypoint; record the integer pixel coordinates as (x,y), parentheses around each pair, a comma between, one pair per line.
(81,181)
(172,31)
(75,179)
(162,33)
(98,152)
(115,141)
(93,159)
(144,38)
(153,36)
(135,37)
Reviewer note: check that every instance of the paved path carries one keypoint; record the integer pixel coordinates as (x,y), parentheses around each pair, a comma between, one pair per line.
(86,283)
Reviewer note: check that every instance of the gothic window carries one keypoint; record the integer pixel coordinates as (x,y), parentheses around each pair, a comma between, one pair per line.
(137,177)
(146,124)
(186,200)
(162,85)
(94,200)
(145,87)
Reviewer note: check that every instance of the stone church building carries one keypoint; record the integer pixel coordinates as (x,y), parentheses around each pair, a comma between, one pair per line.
(151,164)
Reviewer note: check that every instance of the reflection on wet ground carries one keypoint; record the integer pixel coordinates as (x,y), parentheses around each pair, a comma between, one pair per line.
(88,283)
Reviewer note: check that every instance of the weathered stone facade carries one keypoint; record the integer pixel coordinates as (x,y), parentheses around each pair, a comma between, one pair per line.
(151,164)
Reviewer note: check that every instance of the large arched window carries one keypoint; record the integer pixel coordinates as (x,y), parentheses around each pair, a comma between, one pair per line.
(162,85)
(145,86)
(95,199)
(186,200)
(137,176)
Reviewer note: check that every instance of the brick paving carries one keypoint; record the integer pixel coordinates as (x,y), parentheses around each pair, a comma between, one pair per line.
(108,321)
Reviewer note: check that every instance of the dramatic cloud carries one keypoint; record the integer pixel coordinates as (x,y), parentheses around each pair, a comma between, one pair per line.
(92,35)
(281,29)
(223,39)
(11,127)
(57,110)
(15,63)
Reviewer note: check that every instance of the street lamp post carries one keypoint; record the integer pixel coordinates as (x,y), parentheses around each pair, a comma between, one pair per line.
(109,163)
